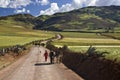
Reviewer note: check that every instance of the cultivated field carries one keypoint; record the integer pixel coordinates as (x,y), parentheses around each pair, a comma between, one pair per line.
(10,36)
(13,36)
(80,42)
(82,39)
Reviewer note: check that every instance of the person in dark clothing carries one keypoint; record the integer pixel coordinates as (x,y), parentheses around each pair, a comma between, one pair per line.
(51,57)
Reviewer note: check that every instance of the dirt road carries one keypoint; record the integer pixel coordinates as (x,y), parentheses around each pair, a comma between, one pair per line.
(33,67)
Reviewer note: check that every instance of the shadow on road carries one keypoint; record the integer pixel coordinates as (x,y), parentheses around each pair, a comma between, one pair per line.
(42,64)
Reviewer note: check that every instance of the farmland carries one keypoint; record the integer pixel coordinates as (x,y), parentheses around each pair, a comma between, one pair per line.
(14,34)
(85,39)
(80,42)
(10,37)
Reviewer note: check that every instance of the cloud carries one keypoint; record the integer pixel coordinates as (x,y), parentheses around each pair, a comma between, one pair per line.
(42,2)
(28,11)
(78,3)
(53,9)
(22,11)
(96,2)
(14,3)
(75,4)
(21,3)
(107,3)
(4,3)
(66,7)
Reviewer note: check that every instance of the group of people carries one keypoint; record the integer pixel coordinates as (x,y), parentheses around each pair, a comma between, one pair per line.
(54,56)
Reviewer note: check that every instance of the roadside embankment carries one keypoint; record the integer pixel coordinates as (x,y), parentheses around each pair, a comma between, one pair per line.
(90,65)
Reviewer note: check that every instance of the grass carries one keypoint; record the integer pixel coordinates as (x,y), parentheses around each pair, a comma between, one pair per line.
(81,39)
(74,40)
(87,41)
(80,35)
(86,16)
(114,52)
(14,34)
(117,35)
(21,38)
(11,34)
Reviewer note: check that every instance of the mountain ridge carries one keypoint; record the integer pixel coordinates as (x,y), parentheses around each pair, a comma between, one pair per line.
(105,18)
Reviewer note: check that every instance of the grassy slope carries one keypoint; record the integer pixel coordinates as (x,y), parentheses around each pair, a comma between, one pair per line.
(11,34)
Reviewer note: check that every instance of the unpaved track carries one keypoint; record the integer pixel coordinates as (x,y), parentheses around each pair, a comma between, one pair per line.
(33,67)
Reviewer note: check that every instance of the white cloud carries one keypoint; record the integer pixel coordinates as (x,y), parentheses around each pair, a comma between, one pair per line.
(53,9)
(28,11)
(4,3)
(75,4)
(117,2)
(22,11)
(14,3)
(78,3)
(107,2)
(42,2)
(66,7)
(97,2)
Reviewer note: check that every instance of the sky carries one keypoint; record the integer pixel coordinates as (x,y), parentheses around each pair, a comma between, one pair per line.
(48,7)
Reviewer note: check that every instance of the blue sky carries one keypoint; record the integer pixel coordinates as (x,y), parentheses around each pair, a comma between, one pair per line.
(48,7)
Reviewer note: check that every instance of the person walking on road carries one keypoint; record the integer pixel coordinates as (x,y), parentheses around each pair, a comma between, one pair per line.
(46,55)
(51,55)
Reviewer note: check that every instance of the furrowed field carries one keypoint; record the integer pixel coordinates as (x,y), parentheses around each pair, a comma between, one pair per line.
(80,42)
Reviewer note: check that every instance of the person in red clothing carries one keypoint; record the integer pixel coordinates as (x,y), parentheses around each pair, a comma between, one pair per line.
(46,55)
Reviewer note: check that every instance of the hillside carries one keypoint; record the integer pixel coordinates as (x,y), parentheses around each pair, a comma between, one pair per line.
(102,19)
(85,19)
(18,21)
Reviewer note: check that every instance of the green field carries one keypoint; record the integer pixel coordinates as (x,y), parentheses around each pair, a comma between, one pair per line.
(14,34)
(114,52)
(82,39)
(11,36)
(80,42)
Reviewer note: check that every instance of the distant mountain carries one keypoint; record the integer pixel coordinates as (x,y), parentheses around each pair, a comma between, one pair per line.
(23,20)
(90,18)
(106,18)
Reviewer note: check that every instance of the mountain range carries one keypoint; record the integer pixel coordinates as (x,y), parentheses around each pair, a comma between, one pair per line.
(104,18)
